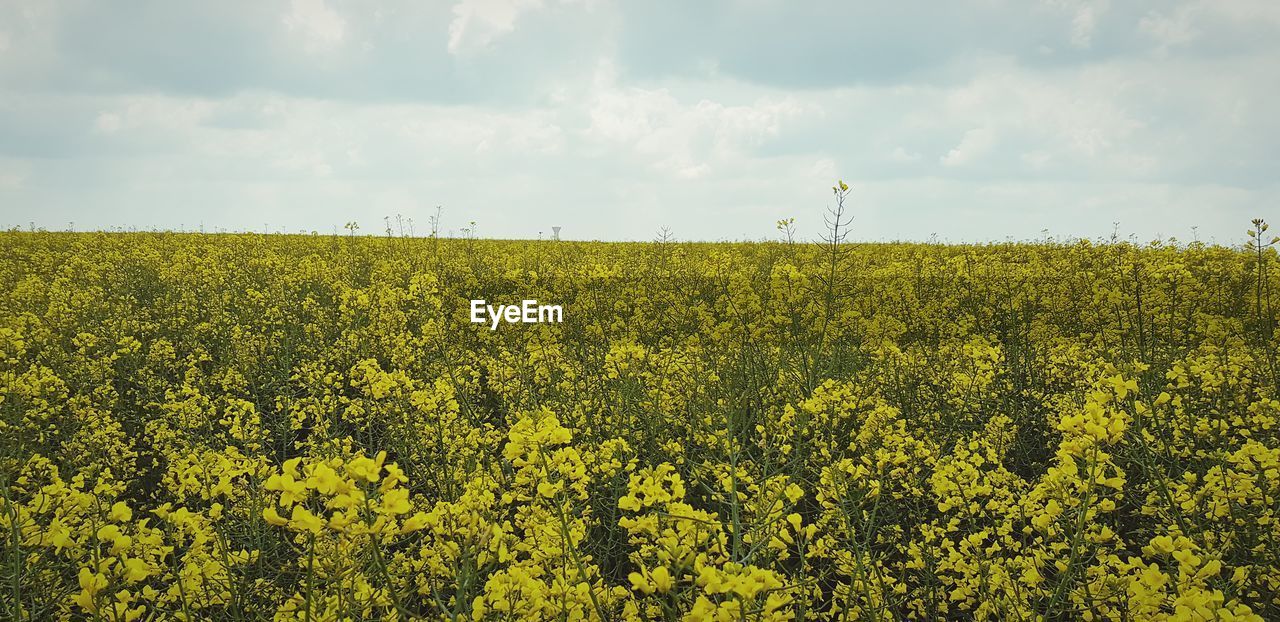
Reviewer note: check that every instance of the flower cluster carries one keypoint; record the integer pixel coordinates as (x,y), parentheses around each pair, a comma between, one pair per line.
(245,427)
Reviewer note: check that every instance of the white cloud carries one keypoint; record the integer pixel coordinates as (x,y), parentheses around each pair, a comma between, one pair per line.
(311,163)
(478,23)
(1037,160)
(1084,116)
(901,155)
(1085,15)
(319,26)
(684,140)
(154,113)
(1085,22)
(108,123)
(1194,21)
(974,144)
(1170,30)
(1244,12)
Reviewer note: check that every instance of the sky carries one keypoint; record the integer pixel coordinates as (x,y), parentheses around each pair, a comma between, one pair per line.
(976,120)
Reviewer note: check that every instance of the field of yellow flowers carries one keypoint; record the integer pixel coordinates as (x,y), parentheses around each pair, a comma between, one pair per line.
(242,427)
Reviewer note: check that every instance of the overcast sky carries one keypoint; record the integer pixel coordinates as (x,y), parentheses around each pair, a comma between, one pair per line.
(978,120)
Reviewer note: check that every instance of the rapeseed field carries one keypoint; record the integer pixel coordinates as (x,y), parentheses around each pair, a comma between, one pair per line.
(243,427)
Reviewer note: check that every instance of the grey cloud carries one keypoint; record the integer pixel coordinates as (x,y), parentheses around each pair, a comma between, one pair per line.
(221,49)
(829,43)
(983,119)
